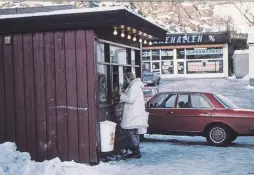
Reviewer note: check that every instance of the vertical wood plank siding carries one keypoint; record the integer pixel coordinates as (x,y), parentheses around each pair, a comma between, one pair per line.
(19,91)
(29,94)
(71,82)
(50,85)
(82,89)
(2,95)
(9,92)
(62,117)
(91,95)
(47,94)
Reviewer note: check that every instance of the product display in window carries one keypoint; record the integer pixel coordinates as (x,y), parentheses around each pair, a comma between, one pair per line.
(156,65)
(103,91)
(205,67)
(180,67)
(167,67)
(146,66)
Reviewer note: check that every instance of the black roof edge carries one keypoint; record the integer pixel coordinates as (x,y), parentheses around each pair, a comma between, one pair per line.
(82,20)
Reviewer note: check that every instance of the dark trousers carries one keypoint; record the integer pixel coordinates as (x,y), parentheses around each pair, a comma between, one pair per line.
(134,138)
(127,139)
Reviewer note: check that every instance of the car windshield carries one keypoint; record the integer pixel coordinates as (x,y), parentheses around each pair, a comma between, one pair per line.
(147,91)
(225,102)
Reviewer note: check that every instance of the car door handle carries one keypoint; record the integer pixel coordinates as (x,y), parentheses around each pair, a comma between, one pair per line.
(169,113)
(205,114)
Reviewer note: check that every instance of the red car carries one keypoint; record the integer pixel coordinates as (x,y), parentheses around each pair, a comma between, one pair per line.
(149,92)
(199,114)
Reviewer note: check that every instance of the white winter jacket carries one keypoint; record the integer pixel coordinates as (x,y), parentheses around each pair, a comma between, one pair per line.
(134,115)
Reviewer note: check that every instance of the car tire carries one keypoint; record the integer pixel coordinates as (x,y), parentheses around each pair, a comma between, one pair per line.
(141,137)
(233,137)
(218,135)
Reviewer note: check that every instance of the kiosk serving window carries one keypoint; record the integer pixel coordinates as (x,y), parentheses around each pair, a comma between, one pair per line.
(113,62)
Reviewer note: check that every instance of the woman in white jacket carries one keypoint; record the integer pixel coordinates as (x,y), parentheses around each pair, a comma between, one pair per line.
(134,115)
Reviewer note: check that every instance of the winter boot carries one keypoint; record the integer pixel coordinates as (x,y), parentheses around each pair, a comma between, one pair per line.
(135,154)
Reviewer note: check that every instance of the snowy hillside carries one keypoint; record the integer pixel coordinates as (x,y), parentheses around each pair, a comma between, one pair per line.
(176,16)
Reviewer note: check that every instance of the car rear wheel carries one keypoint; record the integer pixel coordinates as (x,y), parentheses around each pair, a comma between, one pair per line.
(218,135)
(233,137)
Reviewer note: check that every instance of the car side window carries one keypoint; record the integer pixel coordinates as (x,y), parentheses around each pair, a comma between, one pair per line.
(182,101)
(170,103)
(203,103)
(164,101)
(195,101)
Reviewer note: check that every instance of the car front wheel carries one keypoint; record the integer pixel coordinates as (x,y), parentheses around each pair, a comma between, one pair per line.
(218,135)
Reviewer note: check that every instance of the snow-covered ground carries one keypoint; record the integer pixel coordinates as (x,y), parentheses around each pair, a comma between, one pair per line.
(161,154)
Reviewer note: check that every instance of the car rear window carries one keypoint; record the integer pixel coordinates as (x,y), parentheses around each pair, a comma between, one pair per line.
(225,102)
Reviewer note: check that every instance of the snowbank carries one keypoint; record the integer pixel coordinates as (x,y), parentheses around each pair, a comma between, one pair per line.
(13,162)
(245,78)
(232,77)
(250,87)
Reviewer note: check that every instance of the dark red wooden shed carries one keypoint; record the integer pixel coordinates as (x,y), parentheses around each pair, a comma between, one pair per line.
(58,74)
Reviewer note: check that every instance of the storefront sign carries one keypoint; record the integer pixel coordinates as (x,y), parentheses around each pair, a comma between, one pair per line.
(205,38)
(204,52)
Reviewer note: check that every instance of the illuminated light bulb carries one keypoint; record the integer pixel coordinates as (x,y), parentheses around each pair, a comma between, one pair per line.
(140,40)
(115,32)
(134,38)
(145,42)
(129,37)
(122,34)
(150,43)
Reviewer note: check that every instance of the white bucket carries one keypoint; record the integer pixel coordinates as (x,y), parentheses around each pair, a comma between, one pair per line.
(107,132)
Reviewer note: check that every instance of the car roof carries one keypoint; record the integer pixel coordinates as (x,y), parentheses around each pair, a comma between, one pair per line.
(185,92)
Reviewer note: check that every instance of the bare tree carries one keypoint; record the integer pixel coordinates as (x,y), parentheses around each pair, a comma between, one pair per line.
(247,10)
(185,17)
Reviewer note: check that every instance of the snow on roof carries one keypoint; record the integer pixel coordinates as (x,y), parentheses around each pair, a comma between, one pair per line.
(61,12)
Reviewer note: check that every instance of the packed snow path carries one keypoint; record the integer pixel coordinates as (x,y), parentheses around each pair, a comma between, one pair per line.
(161,154)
